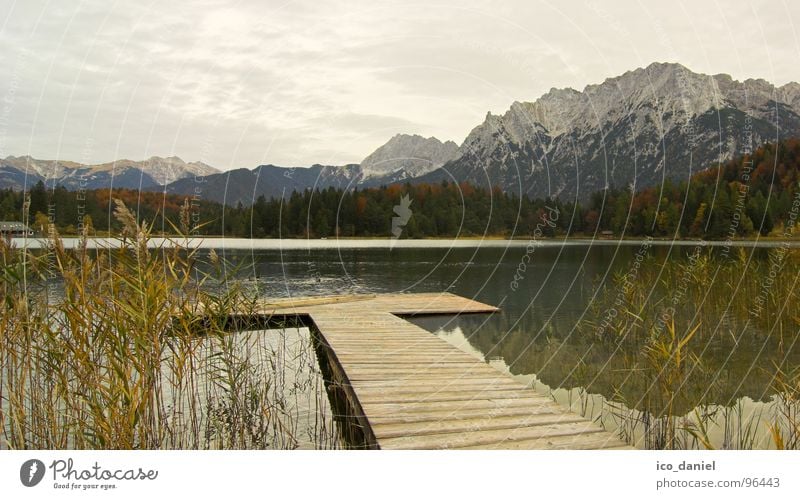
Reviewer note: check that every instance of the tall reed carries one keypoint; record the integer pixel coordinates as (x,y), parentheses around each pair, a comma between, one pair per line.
(685,324)
(129,348)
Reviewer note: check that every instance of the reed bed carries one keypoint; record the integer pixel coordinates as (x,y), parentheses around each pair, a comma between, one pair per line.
(131,348)
(685,324)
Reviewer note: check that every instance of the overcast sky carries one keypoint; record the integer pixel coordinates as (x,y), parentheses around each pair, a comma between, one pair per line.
(237,84)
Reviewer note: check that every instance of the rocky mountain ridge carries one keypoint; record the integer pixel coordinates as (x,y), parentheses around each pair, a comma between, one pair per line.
(636,129)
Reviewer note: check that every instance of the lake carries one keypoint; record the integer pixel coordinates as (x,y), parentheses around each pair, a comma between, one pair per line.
(541,335)
(537,336)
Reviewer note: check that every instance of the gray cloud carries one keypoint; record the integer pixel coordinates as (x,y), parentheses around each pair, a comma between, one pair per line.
(294,83)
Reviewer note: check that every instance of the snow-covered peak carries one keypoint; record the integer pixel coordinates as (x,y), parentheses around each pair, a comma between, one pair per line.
(663,93)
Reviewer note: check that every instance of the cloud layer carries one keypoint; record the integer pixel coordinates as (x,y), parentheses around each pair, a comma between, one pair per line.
(241,83)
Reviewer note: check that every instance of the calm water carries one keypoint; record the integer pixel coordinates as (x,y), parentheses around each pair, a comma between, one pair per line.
(537,336)
(536,332)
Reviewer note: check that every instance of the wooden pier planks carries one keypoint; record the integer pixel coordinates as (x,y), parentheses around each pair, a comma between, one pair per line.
(416,391)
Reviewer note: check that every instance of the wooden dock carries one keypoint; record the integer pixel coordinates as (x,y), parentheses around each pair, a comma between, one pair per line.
(408,389)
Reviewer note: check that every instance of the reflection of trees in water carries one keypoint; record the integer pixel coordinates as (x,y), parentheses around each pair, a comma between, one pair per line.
(726,371)
(683,354)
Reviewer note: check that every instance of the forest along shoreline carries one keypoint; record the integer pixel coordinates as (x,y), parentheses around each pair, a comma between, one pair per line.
(749,197)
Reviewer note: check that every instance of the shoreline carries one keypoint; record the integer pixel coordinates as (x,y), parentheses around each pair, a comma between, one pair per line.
(577,237)
(219,242)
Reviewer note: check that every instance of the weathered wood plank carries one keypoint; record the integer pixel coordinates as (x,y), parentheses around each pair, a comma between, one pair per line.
(497,405)
(421,415)
(483,422)
(492,437)
(440,396)
(602,440)
(400,384)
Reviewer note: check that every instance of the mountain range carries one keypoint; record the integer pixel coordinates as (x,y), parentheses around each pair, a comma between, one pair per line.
(402,158)
(24,171)
(637,129)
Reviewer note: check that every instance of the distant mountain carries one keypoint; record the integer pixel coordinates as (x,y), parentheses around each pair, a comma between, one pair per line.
(402,158)
(245,186)
(639,128)
(408,156)
(153,173)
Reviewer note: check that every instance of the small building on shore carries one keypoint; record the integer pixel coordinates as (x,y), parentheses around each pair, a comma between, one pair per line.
(14,229)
